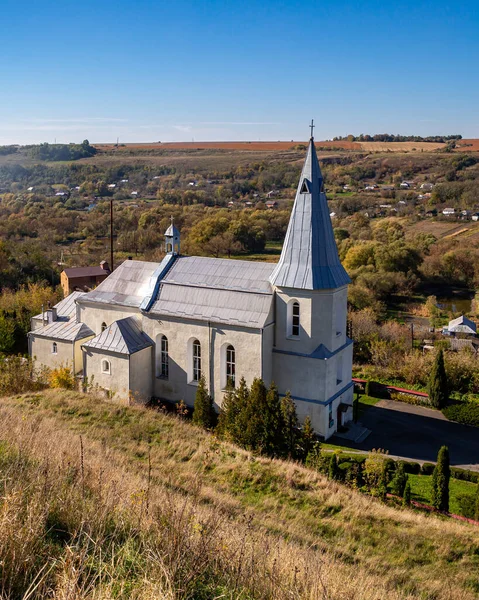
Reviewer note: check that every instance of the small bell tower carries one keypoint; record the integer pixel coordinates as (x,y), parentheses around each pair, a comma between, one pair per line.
(172,239)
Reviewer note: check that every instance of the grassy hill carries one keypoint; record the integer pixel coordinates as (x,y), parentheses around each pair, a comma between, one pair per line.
(122,502)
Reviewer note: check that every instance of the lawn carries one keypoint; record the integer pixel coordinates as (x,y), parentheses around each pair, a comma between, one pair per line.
(421,488)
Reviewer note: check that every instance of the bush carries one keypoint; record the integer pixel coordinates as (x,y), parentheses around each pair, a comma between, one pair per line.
(440,481)
(18,376)
(62,377)
(427,469)
(467,505)
(411,467)
(465,475)
(466,413)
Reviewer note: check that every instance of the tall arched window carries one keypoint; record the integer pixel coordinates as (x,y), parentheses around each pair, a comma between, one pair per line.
(103,326)
(295,319)
(164,361)
(230,366)
(54,348)
(196,360)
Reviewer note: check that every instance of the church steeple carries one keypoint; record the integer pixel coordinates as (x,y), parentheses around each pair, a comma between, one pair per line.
(172,239)
(309,259)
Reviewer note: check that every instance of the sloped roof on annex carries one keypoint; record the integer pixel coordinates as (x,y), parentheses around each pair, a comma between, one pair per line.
(68,331)
(73,272)
(128,285)
(121,337)
(66,308)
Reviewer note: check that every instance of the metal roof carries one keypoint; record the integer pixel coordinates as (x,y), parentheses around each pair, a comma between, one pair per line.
(221,273)
(126,286)
(66,308)
(73,272)
(462,325)
(69,331)
(309,259)
(230,307)
(121,337)
(172,231)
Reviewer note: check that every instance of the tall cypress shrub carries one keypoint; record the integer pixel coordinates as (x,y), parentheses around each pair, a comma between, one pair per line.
(308,438)
(204,412)
(438,384)
(334,471)
(440,481)
(291,433)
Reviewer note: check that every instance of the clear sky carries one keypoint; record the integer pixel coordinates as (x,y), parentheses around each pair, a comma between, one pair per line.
(236,70)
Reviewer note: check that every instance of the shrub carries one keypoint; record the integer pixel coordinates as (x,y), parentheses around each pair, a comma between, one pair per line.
(440,481)
(411,467)
(427,469)
(17,376)
(334,471)
(465,475)
(466,413)
(406,500)
(438,384)
(203,413)
(467,505)
(62,377)
(398,484)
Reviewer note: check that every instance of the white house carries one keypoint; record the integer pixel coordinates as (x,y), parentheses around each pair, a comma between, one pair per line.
(154,329)
(449,212)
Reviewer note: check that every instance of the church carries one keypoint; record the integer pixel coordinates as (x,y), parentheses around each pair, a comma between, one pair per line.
(155,329)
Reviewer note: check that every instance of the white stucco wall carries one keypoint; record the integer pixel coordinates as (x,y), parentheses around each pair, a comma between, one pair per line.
(117,381)
(213,340)
(141,375)
(94,315)
(41,352)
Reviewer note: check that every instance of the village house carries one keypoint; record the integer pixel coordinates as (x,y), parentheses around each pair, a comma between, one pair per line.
(154,330)
(83,278)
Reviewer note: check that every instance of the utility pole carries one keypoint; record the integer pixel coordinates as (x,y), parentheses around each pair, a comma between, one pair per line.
(111,235)
(412,335)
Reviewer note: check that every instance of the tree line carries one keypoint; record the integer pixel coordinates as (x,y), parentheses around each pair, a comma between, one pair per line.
(389,137)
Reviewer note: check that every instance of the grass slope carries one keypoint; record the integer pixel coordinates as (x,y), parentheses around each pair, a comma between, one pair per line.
(265,528)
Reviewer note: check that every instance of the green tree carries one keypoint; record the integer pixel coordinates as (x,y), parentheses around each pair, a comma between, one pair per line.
(476,511)
(7,334)
(291,432)
(308,438)
(204,412)
(440,481)
(272,440)
(438,384)
(406,499)
(334,471)
(399,481)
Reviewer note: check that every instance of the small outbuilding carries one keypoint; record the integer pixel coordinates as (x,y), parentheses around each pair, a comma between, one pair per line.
(461,325)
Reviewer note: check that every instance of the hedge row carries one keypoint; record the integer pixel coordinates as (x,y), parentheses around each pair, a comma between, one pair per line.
(466,413)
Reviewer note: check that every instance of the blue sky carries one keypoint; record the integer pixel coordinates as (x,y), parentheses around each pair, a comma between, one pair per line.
(236,70)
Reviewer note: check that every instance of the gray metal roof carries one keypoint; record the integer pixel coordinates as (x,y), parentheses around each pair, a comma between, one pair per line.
(69,331)
(230,307)
(462,325)
(172,231)
(66,308)
(309,259)
(121,337)
(221,273)
(128,285)
(73,272)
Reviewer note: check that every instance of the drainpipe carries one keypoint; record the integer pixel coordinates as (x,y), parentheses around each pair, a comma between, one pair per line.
(210,362)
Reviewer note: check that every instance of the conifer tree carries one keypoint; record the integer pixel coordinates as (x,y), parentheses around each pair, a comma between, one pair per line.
(398,484)
(406,499)
(204,412)
(273,441)
(440,481)
(334,471)
(250,421)
(291,432)
(237,415)
(438,384)
(227,416)
(308,438)
(476,510)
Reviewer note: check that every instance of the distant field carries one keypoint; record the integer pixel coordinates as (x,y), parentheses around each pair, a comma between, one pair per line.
(443,229)
(469,145)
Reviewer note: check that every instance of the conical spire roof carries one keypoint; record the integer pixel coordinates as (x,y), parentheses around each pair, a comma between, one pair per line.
(309,259)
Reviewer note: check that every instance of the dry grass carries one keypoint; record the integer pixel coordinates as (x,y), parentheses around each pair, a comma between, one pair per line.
(207,515)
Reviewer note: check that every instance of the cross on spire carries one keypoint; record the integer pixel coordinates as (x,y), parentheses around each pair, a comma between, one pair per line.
(312,126)
(172,218)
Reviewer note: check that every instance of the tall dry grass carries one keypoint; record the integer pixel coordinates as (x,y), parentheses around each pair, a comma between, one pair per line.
(146,506)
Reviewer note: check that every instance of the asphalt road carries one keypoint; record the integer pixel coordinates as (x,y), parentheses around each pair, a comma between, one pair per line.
(417,433)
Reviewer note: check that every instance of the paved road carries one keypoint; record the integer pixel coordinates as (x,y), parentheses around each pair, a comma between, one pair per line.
(417,433)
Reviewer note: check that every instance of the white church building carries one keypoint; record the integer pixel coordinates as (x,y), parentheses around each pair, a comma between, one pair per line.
(154,329)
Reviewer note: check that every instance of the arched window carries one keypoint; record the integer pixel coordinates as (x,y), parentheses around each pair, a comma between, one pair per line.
(295,319)
(103,326)
(230,366)
(106,367)
(196,360)
(54,348)
(164,361)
